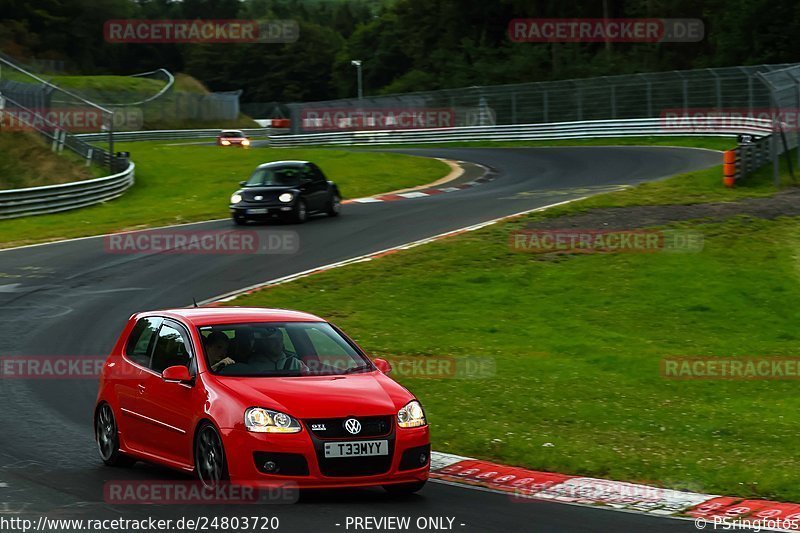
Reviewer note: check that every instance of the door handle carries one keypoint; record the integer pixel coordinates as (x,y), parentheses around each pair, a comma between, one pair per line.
(141,388)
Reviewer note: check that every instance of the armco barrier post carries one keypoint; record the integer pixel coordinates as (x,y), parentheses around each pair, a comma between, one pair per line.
(729,167)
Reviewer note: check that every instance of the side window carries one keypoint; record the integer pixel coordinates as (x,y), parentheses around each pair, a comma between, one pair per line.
(140,343)
(307,174)
(171,349)
(316,173)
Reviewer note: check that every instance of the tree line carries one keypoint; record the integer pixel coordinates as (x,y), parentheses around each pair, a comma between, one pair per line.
(405,45)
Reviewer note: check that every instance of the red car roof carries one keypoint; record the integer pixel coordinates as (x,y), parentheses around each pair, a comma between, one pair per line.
(208,316)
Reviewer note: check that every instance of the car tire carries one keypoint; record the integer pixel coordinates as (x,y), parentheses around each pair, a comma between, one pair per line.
(335,205)
(210,464)
(300,212)
(107,437)
(239,221)
(404,488)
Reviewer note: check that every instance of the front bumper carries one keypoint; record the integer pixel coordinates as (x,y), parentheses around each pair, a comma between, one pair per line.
(255,211)
(246,451)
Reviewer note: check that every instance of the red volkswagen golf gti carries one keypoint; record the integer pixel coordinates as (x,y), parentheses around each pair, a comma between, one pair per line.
(258,396)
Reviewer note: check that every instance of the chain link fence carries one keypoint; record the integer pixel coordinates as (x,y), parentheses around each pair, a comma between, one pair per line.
(31,103)
(784,104)
(610,97)
(717,98)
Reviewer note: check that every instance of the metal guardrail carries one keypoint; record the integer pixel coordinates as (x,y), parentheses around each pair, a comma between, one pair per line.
(167,135)
(63,197)
(530,132)
(522,132)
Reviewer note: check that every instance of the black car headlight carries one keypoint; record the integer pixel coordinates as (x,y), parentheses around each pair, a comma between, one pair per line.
(286,197)
(236,198)
(260,420)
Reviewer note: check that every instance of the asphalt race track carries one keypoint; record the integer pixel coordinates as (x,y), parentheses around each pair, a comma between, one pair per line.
(73,298)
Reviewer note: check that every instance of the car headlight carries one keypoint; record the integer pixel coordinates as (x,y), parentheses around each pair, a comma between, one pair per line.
(224,142)
(246,142)
(411,416)
(236,198)
(286,197)
(259,420)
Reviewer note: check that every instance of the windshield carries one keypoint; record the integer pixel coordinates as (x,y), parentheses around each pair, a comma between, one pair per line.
(280,349)
(275,176)
(232,134)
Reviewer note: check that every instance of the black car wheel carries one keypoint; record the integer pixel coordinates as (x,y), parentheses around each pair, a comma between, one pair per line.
(404,488)
(209,456)
(335,205)
(240,221)
(107,436)
(300,212)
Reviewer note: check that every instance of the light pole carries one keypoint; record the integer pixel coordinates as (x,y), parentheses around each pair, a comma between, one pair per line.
(357,63)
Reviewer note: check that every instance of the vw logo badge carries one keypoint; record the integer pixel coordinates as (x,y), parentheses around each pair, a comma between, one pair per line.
(353,426)
(259,198)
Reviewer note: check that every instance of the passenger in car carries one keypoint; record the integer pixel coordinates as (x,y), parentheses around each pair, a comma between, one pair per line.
(217,347)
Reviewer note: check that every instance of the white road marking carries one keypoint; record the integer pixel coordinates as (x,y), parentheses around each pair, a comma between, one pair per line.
(11,287)
(365,200)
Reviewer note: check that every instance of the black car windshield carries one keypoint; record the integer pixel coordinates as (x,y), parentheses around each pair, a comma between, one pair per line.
(267,176)
(232,134)
(280,349)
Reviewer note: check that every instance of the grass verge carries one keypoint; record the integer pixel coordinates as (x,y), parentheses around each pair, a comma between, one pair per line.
(185,183)
(577,342)
(26,160)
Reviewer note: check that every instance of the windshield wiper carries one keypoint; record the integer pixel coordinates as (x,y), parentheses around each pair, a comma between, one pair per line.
(359,368)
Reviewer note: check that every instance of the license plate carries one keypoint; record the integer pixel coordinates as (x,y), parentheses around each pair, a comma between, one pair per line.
(260,211)
(363,448)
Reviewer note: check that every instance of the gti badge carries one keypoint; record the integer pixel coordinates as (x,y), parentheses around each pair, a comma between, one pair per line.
(258,198)
(318,427)
(353,426)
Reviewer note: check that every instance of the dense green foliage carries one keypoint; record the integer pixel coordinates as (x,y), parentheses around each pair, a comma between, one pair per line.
(405,44)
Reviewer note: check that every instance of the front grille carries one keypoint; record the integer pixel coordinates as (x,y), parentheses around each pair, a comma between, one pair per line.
(371,426)
(267,197)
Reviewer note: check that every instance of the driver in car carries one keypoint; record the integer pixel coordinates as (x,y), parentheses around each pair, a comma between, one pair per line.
(271,354)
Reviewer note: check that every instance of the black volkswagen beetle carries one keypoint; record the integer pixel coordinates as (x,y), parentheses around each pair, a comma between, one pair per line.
(286,189)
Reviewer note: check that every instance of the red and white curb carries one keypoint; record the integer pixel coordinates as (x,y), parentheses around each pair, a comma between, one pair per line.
(523,485)
(418,194)
(487,176)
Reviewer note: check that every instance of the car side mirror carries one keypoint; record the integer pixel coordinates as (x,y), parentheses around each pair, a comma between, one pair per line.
(383,365)
(176,374)
(243,183)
